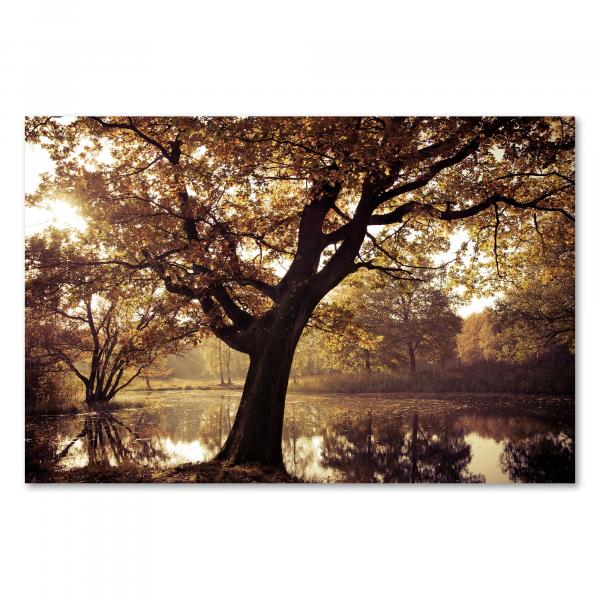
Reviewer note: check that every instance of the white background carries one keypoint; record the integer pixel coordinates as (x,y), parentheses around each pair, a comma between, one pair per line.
(176,57)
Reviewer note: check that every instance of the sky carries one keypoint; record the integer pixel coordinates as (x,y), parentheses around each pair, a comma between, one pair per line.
(62,215)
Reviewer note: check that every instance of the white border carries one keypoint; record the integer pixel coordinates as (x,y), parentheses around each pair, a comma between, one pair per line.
(321,57)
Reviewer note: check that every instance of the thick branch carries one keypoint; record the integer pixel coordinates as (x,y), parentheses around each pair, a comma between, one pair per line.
(310,233)
(172,157)
(67,360)
(241,319)
(396,215)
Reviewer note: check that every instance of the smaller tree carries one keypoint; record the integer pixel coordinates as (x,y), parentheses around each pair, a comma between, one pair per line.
(107,327)
(423,321)
(394,320)
(225,364)
(537,315)
(348,336)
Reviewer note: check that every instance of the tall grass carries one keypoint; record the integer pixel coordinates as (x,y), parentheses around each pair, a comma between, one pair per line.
(52,393)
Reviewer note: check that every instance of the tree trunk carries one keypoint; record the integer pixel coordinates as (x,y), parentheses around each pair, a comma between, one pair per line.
(228,365)
(95,396)
(89,395)
(257,430)
(221,365)
(412,361)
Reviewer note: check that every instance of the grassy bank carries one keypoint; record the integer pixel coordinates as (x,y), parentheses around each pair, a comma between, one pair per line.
(547,375)
(479,378)
(71,402)
(74,406)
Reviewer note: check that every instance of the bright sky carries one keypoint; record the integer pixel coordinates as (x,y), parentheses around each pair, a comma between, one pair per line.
(53,212)
(477,303)
(62,215)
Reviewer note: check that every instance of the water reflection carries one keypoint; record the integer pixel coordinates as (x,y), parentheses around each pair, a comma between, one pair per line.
(544,458)
(106,441)
(395,451)
(366,439)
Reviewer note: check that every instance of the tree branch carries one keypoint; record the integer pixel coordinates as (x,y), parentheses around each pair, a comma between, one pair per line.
(397,214)
(172,157)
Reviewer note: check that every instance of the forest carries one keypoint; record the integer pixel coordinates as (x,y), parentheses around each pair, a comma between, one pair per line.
(274,260)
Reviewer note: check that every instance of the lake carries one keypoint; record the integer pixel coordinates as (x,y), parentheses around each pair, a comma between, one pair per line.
(403,438)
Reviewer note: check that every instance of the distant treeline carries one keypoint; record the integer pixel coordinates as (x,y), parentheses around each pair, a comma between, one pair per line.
(550,373)
(478,365)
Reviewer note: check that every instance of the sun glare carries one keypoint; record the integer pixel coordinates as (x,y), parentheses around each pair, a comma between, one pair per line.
(53,213)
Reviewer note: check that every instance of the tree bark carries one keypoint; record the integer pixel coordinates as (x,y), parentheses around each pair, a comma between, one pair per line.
(103,391)
(257,430)
(96,396)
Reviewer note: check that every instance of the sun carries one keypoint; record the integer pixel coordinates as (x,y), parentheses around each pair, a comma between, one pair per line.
(64,216)
(53,213)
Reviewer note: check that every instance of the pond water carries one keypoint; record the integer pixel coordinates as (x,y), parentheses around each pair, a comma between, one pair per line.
(327,438)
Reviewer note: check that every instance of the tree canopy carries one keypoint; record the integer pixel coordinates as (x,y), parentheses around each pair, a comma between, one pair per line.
(232,211)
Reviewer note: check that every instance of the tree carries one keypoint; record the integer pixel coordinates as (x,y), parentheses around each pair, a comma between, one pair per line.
(389,320)
(313,354)
(537,311)
(477,340)
(425,323)
(342,335)
(410,317)
(216,208)
(218,359)
(227,361)
(159,369)
(103,326)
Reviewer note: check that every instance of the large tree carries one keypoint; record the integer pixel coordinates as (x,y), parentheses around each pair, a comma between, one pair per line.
(257,219)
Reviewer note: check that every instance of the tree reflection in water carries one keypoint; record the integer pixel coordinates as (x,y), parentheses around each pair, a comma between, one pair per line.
(106,441)
(543,458)
(392,452)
